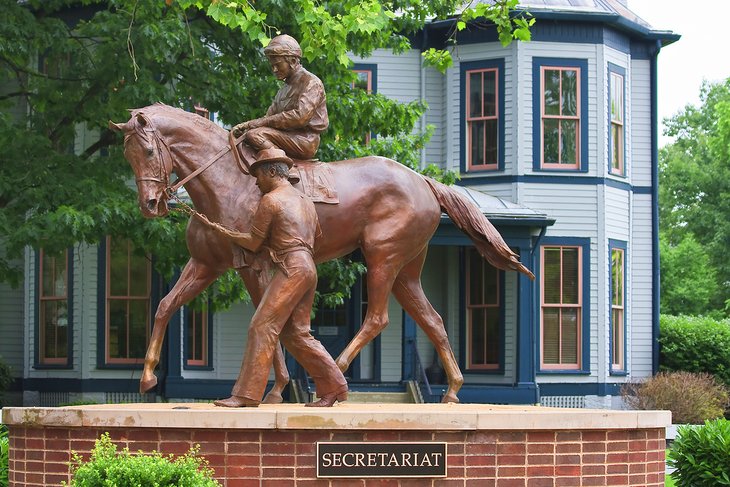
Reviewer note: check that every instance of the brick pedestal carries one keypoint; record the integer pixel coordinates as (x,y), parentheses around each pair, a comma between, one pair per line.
(275,445)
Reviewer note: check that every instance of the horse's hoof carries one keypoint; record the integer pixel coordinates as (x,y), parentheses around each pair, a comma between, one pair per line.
(450,398)
(273,397)
(147,385)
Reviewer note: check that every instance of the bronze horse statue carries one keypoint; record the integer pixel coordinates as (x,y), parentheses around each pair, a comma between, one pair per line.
(386,210)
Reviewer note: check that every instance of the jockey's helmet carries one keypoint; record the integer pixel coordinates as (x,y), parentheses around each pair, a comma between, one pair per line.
(283,45)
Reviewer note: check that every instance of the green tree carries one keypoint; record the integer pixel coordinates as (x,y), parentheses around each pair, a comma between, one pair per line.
(694,206)
(69,66)
(688,280)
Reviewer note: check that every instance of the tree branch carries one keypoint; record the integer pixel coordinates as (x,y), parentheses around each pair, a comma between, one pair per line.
(106,139)
(81,45)
(7,96)
(69,117)
(32,72)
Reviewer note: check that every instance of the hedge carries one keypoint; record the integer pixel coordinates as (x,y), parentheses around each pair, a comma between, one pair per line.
(695,344)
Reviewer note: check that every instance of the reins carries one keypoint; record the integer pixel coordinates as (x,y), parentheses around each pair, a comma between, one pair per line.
(170,190)
(186,208)
(232,142)
(202,168)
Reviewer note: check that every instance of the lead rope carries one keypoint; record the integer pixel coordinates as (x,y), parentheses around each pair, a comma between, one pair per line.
(185,208)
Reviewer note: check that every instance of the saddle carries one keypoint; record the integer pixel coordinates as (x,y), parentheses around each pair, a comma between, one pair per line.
(310,176)
(315,181)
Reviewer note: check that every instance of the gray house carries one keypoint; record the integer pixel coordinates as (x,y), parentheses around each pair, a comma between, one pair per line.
(555,140)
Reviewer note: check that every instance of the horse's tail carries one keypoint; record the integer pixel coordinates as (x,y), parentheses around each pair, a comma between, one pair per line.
(467,217)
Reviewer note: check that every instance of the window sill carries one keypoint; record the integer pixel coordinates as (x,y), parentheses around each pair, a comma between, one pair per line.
(563,372)
(482,170)
(120,366)
(618,373)
(557,170)
(499,371)
(53,367)
(198,367)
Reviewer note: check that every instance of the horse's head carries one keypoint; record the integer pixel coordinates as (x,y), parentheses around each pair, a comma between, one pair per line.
(151,162)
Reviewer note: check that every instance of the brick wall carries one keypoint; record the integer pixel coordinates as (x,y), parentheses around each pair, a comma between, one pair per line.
(40,456)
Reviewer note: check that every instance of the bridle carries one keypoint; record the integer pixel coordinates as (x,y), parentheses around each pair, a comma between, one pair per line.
(166,162)
(164,169)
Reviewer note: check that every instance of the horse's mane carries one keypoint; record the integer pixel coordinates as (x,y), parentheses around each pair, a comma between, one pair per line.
(159,110)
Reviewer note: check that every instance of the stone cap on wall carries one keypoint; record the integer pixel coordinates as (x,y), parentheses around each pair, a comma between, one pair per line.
(343,416)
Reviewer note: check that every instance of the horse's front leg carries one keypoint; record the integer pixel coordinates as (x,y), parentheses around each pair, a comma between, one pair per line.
(256,283)
(194,278)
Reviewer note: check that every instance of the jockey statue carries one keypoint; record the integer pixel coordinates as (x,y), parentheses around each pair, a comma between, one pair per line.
(298,113)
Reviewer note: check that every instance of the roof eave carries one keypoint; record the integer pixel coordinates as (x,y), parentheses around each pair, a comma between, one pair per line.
(615,20)
(511,221)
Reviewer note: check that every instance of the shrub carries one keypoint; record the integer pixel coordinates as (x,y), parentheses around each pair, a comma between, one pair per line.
(695,344)
(4,454)
(107,466)
(692,398)
(701,455)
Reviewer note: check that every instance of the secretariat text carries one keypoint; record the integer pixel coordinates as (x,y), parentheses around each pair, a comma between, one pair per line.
(375,459)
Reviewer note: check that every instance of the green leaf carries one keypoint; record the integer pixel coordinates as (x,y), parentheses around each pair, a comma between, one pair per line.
(438,58)
(263,39)
(522,34)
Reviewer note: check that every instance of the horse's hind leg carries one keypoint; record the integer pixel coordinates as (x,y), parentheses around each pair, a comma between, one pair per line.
(194,278)
(380,277)
(409,293)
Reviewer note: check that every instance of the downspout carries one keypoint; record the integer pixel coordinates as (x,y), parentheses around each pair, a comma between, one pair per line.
(424,45)
(655,212)
(535,301)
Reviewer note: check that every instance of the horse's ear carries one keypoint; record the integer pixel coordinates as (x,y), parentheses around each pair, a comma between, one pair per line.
(141,120)
(116,127)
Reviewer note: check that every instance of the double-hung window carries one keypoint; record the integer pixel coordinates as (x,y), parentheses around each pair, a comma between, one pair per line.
(560,106)
(618,306)
(617,111)
(482,84)
(482,118)
(127,303)
(197,337)
(53,309)
(560,117)
(365,79)
(561,307)
(483,313)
